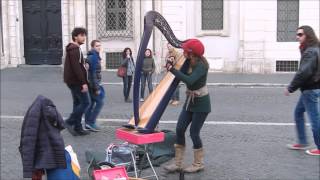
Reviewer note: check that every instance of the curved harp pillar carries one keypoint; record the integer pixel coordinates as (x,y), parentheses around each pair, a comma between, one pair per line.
(147,116)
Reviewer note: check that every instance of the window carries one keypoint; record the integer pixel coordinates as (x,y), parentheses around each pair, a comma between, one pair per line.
(287,20)
(114,19)
(287,66)
(113,60)
(212,14)
(213,18)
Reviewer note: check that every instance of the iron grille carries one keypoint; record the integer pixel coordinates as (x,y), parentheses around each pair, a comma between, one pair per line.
(287,66)
(113,60)
(212,14)
(114,19)
(287,20)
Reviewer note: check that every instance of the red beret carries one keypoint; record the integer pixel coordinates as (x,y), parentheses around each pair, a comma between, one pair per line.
(193,46)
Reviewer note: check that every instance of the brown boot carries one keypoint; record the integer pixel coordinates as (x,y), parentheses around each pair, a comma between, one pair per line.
(197,164)
(178,159)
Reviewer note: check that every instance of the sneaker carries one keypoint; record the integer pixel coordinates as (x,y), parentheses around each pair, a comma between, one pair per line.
(81,132)
(297,146)
(93,127)
(141,100)
(313,152)
(175,103)
(128,100)
(70,128)
(170,102)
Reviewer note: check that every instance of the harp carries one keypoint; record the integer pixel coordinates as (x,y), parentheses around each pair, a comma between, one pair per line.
(147,116)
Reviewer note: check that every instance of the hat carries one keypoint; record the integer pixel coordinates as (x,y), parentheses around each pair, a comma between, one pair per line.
(193,46)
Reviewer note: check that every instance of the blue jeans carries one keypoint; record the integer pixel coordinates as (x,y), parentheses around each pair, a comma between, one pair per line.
(127,81)
(81,102)
(95,107)
(309,102)
(197,120)
(176,94)
(146,77)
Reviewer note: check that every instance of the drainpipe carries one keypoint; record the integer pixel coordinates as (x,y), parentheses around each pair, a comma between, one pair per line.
(140,19)
(86,23)
(153,33)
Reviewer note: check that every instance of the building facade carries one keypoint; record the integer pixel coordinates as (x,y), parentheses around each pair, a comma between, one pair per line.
(239,36)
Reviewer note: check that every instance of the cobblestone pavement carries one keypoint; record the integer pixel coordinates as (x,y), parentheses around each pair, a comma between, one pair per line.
(237,143)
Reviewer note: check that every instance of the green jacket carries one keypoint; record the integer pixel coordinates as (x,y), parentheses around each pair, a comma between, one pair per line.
(148,65)
(194,81)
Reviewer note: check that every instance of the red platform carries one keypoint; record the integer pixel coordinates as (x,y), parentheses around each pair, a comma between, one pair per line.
(134,137)
(112,173)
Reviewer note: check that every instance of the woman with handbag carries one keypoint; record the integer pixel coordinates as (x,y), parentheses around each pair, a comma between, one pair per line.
(129,67)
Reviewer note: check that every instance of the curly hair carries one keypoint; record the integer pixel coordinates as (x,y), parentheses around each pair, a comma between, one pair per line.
(78,30)
(150,56)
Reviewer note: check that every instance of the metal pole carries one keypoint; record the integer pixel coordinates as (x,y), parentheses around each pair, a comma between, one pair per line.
(153,32)
(86,22)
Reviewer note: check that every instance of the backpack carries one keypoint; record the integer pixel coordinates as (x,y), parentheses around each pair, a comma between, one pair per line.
(159,152)
(120,154)
(115,155)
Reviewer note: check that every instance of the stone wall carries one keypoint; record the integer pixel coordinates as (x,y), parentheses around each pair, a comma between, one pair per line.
(12,34)
(247,44)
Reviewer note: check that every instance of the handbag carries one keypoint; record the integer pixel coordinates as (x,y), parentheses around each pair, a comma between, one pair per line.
(122,71)
(120,154)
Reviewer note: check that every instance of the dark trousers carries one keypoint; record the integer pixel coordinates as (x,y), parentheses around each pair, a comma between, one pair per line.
(81,102)
(127,81)
(146,77)
(97,102)
(197,120)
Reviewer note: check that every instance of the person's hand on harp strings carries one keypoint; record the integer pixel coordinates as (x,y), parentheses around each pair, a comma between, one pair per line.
(170,63)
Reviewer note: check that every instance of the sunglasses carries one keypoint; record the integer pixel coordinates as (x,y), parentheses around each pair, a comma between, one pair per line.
(300,34)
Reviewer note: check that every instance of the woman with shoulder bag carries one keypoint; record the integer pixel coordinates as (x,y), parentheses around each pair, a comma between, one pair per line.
(127,63)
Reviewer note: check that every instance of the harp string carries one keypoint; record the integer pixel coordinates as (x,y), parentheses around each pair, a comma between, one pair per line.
(151,19)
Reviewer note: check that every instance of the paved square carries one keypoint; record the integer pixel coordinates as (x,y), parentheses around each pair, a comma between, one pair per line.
(244,137)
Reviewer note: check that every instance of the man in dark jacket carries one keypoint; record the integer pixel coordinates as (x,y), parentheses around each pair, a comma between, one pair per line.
(75,76)
(307,79)
(41,145)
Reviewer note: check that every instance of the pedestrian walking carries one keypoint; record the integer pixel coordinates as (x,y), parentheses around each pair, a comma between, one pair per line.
(75,76)
(307,79)
(175,98)
(196,108)
(128,63)
(96,90)
(173,55)
(148,69)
